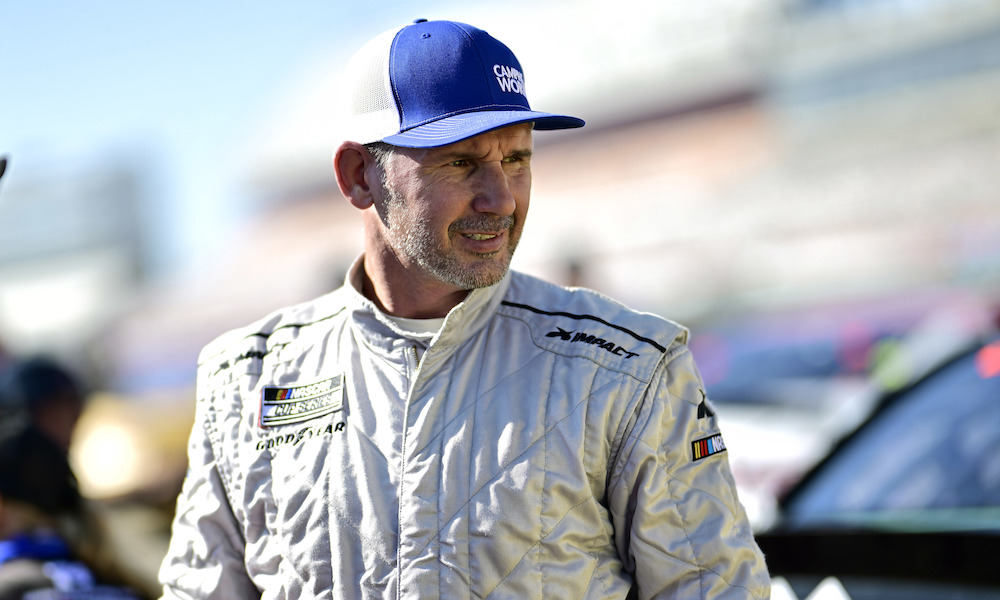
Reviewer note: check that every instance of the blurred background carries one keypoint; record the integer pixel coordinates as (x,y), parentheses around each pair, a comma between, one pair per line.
(810,185)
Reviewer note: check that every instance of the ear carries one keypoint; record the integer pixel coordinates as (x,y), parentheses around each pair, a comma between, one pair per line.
(355,169)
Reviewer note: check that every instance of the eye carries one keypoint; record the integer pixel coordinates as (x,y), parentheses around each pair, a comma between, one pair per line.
(462,162)
(517,157)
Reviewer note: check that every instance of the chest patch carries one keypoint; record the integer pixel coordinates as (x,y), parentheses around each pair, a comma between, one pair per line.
(286,405)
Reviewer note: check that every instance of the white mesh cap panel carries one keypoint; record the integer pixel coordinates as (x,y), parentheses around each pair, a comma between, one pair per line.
(372,113)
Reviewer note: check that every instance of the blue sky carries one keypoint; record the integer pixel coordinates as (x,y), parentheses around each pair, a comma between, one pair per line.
(179,85)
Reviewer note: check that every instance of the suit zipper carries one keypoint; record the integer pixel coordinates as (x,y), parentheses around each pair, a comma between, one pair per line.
(412,351)
(412,362)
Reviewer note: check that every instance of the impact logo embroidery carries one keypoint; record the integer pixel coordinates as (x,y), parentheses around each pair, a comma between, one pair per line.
(586,338)
(509,79)
(706,447)
(284,406)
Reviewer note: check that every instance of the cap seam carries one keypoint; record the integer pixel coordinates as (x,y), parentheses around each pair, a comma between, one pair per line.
(482,66)
(392,80)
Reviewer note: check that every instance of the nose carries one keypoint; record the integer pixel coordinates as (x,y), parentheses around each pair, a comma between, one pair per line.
(494,191)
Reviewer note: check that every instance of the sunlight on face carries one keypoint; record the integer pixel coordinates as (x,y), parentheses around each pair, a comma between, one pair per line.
(415,239)
(456,212)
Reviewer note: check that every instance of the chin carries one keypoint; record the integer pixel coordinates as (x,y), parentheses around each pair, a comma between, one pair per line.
(472,277)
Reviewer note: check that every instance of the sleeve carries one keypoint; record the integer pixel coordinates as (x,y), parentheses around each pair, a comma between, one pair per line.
(683,532)
(205,558)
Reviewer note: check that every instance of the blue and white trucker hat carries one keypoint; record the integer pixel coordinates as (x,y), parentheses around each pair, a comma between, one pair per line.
(432,83)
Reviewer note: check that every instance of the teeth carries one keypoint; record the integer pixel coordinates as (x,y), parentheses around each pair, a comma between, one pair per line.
(480,236)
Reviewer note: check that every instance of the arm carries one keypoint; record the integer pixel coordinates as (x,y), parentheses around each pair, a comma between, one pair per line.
(205,557)
(680,527)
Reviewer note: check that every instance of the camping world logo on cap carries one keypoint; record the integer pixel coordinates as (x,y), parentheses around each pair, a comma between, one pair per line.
(706,447)
(510,79)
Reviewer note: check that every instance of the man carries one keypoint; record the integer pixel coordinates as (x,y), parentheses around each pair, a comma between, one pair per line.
(440,427)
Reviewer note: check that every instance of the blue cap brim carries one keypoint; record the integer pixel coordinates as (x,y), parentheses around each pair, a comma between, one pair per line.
(463,126)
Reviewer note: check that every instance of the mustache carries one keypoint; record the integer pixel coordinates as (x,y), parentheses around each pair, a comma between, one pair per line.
(482,223)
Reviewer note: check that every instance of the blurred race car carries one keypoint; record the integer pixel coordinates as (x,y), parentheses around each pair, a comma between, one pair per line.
(908,505)
(788,387)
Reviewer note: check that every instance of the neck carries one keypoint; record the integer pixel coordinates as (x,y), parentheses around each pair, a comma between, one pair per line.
(416,300)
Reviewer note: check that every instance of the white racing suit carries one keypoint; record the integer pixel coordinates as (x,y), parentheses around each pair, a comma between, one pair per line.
(548,443)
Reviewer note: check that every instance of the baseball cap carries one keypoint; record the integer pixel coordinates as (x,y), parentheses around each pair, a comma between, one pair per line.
(433,83)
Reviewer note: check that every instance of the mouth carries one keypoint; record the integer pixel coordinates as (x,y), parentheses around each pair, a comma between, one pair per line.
(483,235)
(481,243)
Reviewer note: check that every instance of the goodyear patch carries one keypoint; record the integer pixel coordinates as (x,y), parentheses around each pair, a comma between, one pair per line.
(287,405)
(281,440)
(706,447)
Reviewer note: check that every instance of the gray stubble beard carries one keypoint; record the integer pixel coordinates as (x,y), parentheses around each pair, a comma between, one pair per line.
(418,245)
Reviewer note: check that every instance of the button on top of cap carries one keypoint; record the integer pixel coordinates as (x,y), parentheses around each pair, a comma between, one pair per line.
(420,20)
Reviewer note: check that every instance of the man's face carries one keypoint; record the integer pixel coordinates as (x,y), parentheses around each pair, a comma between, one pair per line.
(453,215)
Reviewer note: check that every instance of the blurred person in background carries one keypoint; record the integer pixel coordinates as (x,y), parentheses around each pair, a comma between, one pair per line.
(51,545)
(4,356)
(441,426)
(47,392)
(48,548)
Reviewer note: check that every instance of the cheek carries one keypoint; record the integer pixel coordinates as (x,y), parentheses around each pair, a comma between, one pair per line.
(438,209)
(520,213)
(430,220)
(523,199)
(521,188)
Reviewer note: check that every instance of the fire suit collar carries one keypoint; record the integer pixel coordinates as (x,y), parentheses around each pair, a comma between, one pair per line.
(472,314)
(461,323)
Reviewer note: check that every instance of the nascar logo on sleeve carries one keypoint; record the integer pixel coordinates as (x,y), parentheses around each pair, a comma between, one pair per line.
(706,447)
(284,406)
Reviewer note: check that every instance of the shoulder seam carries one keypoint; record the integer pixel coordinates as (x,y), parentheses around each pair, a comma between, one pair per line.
(267,334)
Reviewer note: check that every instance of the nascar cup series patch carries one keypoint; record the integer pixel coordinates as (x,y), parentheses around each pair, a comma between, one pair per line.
(287,405)
(706,447)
